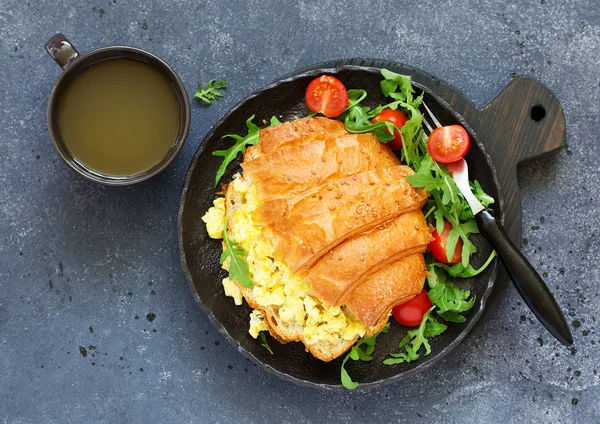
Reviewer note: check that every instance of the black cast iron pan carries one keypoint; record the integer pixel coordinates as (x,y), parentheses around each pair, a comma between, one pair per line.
(200,254)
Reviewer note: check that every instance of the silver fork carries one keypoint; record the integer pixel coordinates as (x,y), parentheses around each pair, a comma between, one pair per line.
(528,282)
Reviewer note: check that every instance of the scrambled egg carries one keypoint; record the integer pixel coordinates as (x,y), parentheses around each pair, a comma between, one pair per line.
(274,284)
(257,323)
(215,218)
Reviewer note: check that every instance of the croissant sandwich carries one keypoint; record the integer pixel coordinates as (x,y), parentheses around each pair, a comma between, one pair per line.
(331,231)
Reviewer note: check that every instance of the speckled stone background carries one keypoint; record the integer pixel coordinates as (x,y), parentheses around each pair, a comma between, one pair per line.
(97,323)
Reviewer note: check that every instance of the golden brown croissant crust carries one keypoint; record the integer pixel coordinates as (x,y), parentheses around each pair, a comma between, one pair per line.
(340,212)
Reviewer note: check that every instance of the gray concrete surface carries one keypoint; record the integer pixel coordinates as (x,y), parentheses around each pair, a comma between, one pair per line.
(82,266)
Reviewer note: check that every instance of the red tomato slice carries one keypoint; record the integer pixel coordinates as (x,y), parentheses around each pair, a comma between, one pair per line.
(410,314)
(438,246)
(327,95)
(448,144)
(398,119)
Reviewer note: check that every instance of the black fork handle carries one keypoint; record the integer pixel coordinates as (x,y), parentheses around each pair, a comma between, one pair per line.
(528,282)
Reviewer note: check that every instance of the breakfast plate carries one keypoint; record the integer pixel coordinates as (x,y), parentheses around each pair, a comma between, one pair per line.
(200,254)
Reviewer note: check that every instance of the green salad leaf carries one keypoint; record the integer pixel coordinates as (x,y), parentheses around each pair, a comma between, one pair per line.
(394,83)
(211,92)
(417,339)
(239,146)
(250,139)
(360,353)
(450,302)
(263,342)
(237,267)
(458,270)
(357,118)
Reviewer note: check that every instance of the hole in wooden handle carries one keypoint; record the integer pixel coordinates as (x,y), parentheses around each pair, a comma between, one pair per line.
(538,112)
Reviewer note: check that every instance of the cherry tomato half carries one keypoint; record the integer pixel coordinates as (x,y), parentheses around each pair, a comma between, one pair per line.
(411,313)
(327,95)
(437,247)
(448,144)
(398,119)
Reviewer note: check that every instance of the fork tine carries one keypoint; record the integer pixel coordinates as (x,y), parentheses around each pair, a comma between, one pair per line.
(432,116)
(427,125)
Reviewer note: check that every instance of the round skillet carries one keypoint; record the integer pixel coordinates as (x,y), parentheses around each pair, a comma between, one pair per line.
(200,254)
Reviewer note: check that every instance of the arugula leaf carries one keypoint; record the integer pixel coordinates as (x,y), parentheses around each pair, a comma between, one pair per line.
(417,339)
(448,300)
(481,195)
(347,381)
(451,241)
(414,143)
(355,97)
(211,92)
(357,353)
(399,87)
(463,229)
(263,342)
(458,270)
(240,145)
(238,267)
(357,118)
(274,121)
(427,182)
(394,82)
(452,316)
(434,328)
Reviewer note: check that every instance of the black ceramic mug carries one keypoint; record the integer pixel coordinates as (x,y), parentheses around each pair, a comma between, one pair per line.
(73,64)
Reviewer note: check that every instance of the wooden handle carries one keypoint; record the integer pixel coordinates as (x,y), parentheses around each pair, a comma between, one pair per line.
(525,121)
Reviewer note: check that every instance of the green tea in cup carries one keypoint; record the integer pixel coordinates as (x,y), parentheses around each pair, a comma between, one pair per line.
(119,117)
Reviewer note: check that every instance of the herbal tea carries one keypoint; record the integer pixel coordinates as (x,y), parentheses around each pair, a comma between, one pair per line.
(119,117)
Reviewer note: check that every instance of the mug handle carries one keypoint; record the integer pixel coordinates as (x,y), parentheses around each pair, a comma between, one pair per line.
(61,50)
